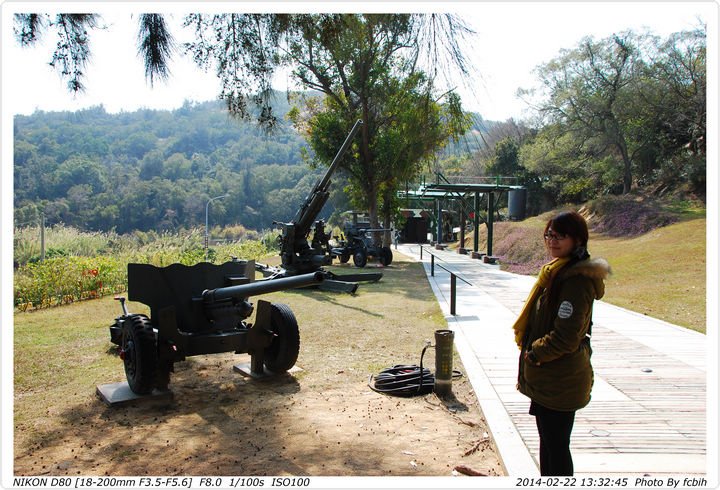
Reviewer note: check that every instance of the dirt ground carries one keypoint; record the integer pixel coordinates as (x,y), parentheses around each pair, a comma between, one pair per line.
(221,423)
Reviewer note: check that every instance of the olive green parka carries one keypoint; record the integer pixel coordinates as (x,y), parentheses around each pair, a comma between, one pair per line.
(557,335)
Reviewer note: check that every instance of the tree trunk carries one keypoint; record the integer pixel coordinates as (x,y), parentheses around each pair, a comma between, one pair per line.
(373,211)
(627,165)
(387,235)
(616,136)
(365,154)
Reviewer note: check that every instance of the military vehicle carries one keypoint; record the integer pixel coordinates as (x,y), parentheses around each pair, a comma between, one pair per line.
(358,242)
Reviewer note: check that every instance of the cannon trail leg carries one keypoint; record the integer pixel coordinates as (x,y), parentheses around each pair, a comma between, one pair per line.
(260,338)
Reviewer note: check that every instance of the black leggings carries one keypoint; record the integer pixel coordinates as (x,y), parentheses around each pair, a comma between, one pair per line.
(554,428)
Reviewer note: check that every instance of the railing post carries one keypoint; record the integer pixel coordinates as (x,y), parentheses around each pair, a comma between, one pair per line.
(432,265)
(420,252)
(452,293)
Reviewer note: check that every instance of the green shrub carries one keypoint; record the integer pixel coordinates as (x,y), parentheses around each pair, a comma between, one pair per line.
(90,265)
(62,280)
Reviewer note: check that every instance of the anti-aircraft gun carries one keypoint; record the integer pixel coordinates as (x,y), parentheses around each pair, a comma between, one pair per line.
(299,257)
(201,309)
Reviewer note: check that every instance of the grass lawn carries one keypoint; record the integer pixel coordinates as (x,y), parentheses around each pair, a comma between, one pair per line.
(322,420)
(65,352)
(661,273)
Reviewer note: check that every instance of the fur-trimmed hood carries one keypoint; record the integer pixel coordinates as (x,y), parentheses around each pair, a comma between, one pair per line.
(596,269)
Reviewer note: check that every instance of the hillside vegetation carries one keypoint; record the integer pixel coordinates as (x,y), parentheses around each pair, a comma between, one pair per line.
(656,249)
(156,170)
(658,258)
(82,265)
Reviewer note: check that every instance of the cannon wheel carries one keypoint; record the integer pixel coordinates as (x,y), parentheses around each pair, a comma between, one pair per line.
(139,354)
(386,256)
(360,258)
(282,353)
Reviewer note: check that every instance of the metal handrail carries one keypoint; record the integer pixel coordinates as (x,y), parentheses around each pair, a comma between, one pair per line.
(453,279)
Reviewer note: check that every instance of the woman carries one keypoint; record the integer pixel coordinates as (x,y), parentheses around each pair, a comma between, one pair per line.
(553,333)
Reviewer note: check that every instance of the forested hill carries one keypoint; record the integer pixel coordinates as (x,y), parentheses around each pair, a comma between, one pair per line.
(154,169)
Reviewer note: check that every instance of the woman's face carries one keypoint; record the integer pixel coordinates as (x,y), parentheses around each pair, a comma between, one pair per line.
(558,244)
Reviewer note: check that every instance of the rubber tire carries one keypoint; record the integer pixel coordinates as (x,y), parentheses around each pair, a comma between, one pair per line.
(360,258)
(344,257)
(283,351)
(141,359)
(386,256)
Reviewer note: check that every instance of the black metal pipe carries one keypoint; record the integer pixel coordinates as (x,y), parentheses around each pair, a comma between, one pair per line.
(262,287)
(453,294)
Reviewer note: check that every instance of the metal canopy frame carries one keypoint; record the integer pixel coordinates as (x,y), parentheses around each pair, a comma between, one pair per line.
(461,191)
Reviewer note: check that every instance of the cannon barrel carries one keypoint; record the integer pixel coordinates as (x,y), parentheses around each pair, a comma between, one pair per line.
(372,230)
(318,196)
(346,144)
(210,296)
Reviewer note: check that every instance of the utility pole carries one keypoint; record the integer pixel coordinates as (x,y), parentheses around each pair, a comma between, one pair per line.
(207,236)
(42,237)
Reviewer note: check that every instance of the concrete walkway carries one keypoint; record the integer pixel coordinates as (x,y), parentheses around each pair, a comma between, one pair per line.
(647,415)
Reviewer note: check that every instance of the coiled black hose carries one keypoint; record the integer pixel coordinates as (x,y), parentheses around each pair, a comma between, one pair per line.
(406,379)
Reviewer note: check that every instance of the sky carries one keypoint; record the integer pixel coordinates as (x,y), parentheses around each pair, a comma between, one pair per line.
(512,39)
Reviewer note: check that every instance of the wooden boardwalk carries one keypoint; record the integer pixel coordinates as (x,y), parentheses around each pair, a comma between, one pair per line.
(648,413)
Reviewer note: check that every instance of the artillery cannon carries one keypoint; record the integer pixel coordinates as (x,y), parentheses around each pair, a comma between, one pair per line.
(201,309)
(299,257)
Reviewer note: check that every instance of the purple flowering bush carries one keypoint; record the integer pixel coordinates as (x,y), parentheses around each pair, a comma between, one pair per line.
(520,247)
(627,215)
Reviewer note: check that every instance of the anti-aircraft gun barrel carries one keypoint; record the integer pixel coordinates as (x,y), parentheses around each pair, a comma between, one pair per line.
(326,178)
(211,296)
(297,255)
(316,199)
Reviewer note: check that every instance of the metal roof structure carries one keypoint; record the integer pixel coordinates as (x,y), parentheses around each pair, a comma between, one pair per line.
(471,187)
(462,191)
(433,191)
